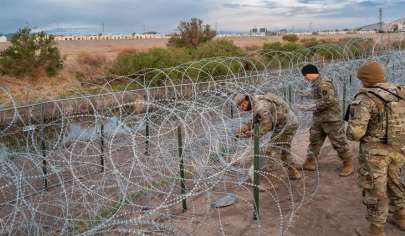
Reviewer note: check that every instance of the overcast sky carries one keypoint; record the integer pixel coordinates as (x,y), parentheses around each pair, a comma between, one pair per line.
(124,16)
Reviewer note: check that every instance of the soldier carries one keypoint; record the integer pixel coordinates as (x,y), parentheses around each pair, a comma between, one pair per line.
(377,120)
(273,114)
(327,122)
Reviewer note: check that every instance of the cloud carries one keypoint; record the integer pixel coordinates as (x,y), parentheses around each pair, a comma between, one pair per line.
(118,15)
(164,15)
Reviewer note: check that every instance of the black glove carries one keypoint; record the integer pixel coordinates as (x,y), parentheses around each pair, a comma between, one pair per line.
(347,114)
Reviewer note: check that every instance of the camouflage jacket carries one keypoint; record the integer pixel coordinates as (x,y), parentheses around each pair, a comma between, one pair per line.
(272,113)
(326,101)
(367,122)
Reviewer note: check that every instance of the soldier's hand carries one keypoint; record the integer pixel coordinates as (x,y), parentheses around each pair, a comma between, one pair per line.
(243,133)
(238,133)
(247,134)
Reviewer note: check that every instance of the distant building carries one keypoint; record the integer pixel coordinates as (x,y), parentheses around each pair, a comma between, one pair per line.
(258,32)
(397,26)
(3,39)
(283,31)
(254,30)
(108,37)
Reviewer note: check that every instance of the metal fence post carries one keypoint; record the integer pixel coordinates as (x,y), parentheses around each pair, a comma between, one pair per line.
(256,180)
(231,111)
(43,149)
(344,98)
(147,137)
(182,175)
(285,93)
(102,146)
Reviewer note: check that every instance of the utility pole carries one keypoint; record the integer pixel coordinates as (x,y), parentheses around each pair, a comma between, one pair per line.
(103,28)
(381,20)
(381,31)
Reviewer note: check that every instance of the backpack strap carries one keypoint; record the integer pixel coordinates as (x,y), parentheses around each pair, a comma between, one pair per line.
(388,91)
(380,106)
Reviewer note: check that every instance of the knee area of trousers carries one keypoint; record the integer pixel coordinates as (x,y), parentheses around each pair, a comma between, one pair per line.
(373,198)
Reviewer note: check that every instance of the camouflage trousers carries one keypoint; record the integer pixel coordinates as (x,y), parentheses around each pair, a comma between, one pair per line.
(280,144)
(380,180)
(335,132)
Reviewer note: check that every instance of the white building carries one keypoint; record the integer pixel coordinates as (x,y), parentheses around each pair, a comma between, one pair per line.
(3,39)
(109,37)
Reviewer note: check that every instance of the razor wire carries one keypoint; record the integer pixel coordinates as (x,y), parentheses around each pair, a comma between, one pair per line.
(109,163)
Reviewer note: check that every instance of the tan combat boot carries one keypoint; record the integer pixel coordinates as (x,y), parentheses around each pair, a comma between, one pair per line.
(309,164)
(398,219)
(293,173)
(347,168)
(373,230)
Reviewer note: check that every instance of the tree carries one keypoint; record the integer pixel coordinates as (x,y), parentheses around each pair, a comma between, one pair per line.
(29,54)
(191,34)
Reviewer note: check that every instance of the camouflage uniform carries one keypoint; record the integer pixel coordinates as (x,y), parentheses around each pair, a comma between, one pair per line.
(327,121)
(274,114)
(380,163)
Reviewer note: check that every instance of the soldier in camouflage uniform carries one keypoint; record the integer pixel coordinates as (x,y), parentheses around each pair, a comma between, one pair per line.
(273,114)
(327,122)
(380,158)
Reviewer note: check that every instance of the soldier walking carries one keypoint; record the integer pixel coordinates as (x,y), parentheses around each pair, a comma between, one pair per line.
(327,122)
(377,120)
(273,114)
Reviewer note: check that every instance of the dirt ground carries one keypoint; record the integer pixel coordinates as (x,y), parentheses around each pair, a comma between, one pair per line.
(335,209)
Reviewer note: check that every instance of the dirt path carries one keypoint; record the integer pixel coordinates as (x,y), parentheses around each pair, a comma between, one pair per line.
(335,209)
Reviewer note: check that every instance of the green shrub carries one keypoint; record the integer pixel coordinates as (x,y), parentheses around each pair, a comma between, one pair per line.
(310,42)
(291,38)
(328,51)
(277,46)
(223,50)
(279,55)
(217,48)
(130,63)
(29,54)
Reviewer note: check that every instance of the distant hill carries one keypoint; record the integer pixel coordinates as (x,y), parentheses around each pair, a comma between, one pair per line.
(397,25)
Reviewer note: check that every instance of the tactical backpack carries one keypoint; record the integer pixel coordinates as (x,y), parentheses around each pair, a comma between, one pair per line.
(394,112)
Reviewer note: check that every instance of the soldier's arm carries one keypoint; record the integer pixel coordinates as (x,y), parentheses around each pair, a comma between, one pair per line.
(360,114)
(327,99)
(265,121)
(305,93)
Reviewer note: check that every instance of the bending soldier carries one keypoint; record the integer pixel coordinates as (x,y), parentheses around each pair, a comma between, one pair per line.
(377,120)
(327,122)
(273,114)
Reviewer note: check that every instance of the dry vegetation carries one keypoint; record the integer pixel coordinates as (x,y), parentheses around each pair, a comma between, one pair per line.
(85,62)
